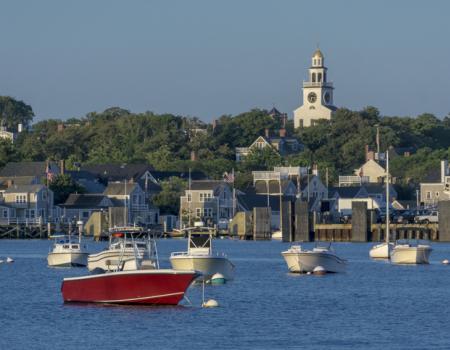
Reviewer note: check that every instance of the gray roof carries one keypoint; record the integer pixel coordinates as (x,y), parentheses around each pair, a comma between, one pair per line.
(24,188)
(19,180)
(86,201)
(12,169)
(344,192)
(118,188)
(164,175)
(117,172)
(250,201)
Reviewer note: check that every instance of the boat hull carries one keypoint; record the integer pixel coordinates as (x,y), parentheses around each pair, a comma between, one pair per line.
(381,251)
(67,259)
(304,262)
(411,255)
(207,265)
(155,287)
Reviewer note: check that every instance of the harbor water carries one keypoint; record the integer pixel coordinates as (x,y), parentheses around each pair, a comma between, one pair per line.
(374,305)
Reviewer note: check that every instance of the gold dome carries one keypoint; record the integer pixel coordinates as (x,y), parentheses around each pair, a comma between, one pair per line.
(318,54)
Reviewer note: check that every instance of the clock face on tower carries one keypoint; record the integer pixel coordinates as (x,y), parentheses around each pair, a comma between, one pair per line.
(312,97)
(327,97)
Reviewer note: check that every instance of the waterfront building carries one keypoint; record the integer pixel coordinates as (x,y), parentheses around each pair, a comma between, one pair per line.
(79,207)
(31,204)
(207,201)
(437,186)
(317,95)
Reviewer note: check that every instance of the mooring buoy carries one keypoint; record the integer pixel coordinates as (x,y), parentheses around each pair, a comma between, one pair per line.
(319,270)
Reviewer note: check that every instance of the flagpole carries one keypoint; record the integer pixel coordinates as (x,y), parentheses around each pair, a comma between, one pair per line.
(234,196)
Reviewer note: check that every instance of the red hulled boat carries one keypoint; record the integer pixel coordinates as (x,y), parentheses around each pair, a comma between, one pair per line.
(160,286)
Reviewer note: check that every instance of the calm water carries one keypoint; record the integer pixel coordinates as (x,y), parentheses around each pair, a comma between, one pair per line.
(374,305)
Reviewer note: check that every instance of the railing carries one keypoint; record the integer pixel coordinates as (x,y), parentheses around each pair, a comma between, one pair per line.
(317,84)
(291,170)
(353,180)
(268,175)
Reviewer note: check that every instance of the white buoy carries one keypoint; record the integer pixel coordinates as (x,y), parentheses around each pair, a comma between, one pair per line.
(309,272)
(9,260)
(210,303)
(319,270)
(445,262)
(1,261)
(218,278)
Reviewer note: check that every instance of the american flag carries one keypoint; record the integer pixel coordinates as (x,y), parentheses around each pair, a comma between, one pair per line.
(49,173)
(228,177)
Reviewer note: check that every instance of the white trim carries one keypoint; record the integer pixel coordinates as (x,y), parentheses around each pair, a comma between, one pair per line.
(141,298)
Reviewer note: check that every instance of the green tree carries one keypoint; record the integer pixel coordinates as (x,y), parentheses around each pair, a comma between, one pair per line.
(168,200)
(63,185)
(14,112)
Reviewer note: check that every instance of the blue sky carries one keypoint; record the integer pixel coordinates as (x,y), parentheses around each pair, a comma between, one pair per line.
(207,58)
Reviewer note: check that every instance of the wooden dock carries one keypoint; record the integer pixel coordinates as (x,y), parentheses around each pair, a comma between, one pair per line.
(343,232)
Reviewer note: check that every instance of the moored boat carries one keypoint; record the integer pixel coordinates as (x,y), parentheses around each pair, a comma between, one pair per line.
(408,253)
(67,252)
(200,256)
(305,261)
(160,286)
(126,251)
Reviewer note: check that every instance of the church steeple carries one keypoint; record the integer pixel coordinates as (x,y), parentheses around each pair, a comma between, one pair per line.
(317,94)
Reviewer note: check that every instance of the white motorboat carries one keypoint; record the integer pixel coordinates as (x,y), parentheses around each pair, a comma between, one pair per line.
(125,252)
(67,252)
(303,261)
(200,257)
(383,250)
(408,253)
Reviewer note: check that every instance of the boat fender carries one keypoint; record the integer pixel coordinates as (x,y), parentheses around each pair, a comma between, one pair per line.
(319,270)
(210,303)
(445,261)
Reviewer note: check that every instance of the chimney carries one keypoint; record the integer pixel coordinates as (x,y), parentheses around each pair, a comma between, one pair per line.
(20,128)
(62,168)
(267,133)
(282,132)
(9,183)
(315,170)
(444,170)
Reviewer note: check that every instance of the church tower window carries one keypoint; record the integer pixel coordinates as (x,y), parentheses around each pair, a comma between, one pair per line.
(313,77)
(319,77)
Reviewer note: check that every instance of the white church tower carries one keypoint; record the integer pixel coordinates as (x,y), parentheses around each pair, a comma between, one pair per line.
(317,95)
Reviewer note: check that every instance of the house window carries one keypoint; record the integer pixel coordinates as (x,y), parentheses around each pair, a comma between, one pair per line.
(44,196)
(5,213)
(208,212)
(428,196)
(21,198)
(437,194)
(198,212)
(189,197)
(32,214)
(85,214)
(205,197)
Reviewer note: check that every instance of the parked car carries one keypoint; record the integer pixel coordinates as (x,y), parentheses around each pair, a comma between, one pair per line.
(404,216)
(426,218)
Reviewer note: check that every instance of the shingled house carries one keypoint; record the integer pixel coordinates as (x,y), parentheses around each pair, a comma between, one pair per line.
(208,201)
(79,207)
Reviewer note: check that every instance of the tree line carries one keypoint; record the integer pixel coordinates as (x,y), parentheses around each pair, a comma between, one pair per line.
(168,142)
